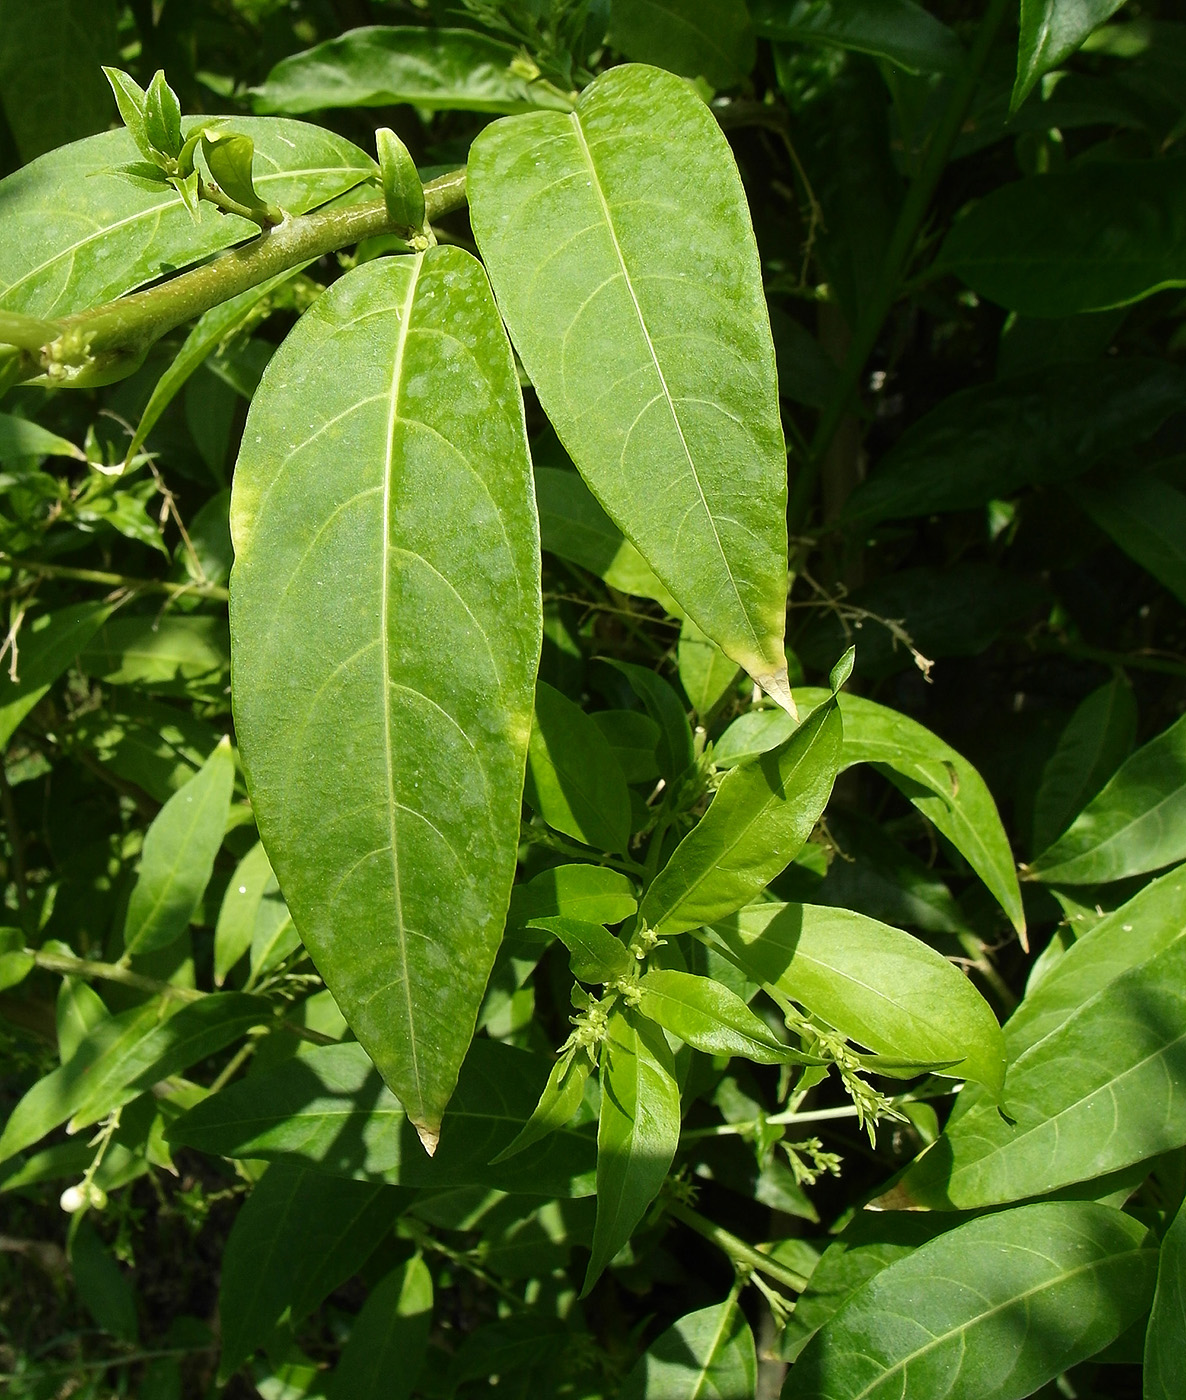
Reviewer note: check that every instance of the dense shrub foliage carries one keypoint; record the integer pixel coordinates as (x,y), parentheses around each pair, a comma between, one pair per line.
(594,788)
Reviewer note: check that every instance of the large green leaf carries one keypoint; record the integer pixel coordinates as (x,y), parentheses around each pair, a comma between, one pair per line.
(384,65)
(709,39)
(637,1132)
(631,286)
(383,709)
(1165,1341)
(989,1311)
(1103,234)
(298,1236)
(900,31)
(1104,1089)
(706,1355)
(46,646)
(1051,30)
(1146,517)
(1137,823)
(389,1338)
(878,985)
(330,1108)
(77,235)
(758,822)
(179,852)
(996,439)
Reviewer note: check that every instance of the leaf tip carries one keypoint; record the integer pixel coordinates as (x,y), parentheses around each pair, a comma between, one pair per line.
(429,1137)
(777,685)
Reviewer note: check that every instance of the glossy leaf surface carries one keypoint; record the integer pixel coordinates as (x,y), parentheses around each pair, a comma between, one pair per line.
(1137,823)
(1165,1340)
(758,821)
(560,1099)
(637,1133)
(1051,30)
(593,952)
(880,986)
(385,1353)
(384,65)
(178,858)
(79,237)
(356,468)
(709,39)
(709,1017)
(706,1355)
(631,287)
(587,892)
(989,1311)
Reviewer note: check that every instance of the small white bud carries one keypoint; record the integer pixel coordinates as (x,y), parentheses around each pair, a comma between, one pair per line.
(72,1199)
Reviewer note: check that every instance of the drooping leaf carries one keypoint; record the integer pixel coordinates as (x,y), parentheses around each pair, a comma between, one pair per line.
(709,39)
(1098,738)
(78,236)
(899,31)
(1165,1340)
(878,985)
(384,65)
(993,440)
(706,1355)
(331,1109)
(46,646)
(1051,30)
(709,1017)
(1136,823)
(1099,235)
(1101,1091)
(674,751)
(988,1311)
(236,918)
(1146,517)
(20,438)
(389,1338)
(761,816)
(356,467)
(647,339)
(178,858)
(297,1237)
(573,780)
(637,1133)
(705,672)
(593,952)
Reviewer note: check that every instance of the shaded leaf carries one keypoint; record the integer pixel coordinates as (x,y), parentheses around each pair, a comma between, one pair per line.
(20,438)
(240,904)
(900,31)
(675,752)
(1165,1341)
(102,1285)
(705,672)
(706,1355)
(1051,30)
(1146,517)
(388,1341)
(709,39)
(46,646)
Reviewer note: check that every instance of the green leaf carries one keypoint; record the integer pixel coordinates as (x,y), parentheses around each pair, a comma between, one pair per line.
(132,102)
(1098,738)
(1165,1341)
(124,1055)
(273,936)
(573,780)
(1084,239)
(1136,823)
(230,156)
(1051,31)
(994,440)
(356,467)
(78,237)
(146,742)
(705,672)
(389,1339)
(20,438)
(675,751)
(706,1355)
(102,1285)
(298,1236)
(875,984)
(637,1133)
(386,65)
(402,188)
(710,1017)
(561,1097)
(513,1350)
(178,858)
(709,39)
(330,1108)
(759,820)
(78,1010)
(633,738)
(898,31)
(1102,1090)
(587,892)
(594,953)
(632,290)
(236,918)
(162,117)
(46,646)
(989,1311)
(1146,517)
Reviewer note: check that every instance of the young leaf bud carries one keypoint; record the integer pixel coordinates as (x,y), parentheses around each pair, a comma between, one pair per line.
(402,190)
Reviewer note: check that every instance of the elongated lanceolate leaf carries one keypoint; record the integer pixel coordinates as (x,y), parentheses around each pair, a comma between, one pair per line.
(709,39)
(1137,823)
(384,65)
(46,646)
(78,235)
(1165,1341)
(389,1338)
(882,987)
(631,286)
(637,1133)
(1104,234)
(761,816)
(179,852)
(385,621)
(1105,1089)
(709,1017)
(20,438)
(1051,30)
(1146,517)
(240,904)
(706,1355)
(989,1311)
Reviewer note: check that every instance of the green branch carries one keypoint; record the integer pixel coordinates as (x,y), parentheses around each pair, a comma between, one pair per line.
(737,1250)
(108,580)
